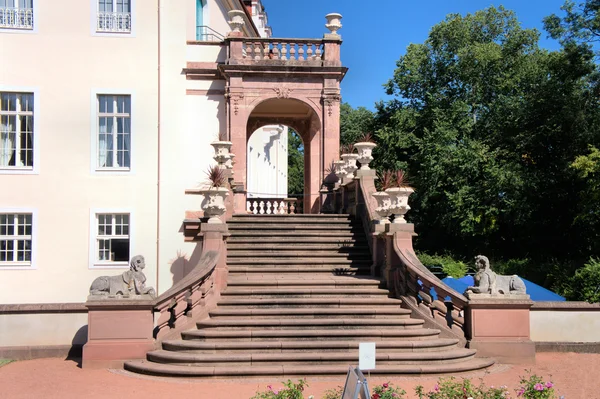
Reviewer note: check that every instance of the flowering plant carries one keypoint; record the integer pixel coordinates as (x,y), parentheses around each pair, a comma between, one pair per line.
(450,388)
(535,387)
(386,391)
(291,390)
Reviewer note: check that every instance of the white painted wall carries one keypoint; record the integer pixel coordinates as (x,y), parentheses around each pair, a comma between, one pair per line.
(43,329)
(64,62)
(564,326)
(267,162)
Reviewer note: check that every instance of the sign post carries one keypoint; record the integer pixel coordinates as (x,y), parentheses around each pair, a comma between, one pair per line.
(356,386)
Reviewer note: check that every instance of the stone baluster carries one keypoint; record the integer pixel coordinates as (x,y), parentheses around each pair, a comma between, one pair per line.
(276,54)
(266,48)
(309,52)
(301,51)
(162,323)
(180,308)
(293,51)
(284,51)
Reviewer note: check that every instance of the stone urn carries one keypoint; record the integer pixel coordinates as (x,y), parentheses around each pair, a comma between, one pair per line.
(350,164)
(383,206)
(236,20)
(334,22)
(365,151)
(339,170)
(222,153)
(399,202)
(229,162)
(214,203)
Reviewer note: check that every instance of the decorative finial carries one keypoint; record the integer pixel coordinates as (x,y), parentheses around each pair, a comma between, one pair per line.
(334,23)
(236,20)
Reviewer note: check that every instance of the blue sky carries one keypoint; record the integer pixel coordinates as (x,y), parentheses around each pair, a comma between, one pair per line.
(377,32)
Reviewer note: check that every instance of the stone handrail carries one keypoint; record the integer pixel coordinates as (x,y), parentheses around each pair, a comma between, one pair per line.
(409,280)
(395,260)
(283,51)
(196,294)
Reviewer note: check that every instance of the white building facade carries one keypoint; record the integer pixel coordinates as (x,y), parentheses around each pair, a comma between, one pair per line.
(101,133)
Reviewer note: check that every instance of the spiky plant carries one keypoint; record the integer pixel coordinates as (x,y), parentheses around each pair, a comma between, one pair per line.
(346,148)
(366,138)
(401,178)
(386,180)
(216,176)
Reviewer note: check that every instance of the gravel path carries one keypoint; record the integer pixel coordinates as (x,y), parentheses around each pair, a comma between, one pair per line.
(577,376)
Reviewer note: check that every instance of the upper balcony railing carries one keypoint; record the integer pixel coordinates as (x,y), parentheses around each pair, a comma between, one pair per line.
(113,22)
(289,52)
(16,18)
(207,34)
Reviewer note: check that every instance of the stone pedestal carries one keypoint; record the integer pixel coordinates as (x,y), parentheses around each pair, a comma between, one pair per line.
(118,330)
(498,326)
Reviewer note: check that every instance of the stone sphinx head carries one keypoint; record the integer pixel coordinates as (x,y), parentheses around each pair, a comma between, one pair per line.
(137,263)
(482,263)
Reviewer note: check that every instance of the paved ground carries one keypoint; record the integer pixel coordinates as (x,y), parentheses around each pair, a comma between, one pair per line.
(577,376)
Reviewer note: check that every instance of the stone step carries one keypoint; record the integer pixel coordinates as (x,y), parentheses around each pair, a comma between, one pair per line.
(293,371)
(309,324)
(311,313)
(312,281)
(307,216)
(295,271)
(261,247)
(293,261)
(303,292)
(260,219)
(293,235)
(290,227)
(251,240)
(308,358)
(191,346)
(324,302)
(295,254)
(302,334)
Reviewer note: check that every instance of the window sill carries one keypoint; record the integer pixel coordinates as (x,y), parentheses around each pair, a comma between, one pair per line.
(16,266)
(113,171)
(110,265)
(5,29)
(17,171)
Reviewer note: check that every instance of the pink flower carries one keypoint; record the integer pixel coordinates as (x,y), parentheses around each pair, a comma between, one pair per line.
(549,385)
(270,387)
(436,388)
(538,387)
(520,392)
(276,391)
(385,385)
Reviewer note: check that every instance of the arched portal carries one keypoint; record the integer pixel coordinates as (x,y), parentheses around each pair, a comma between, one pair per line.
(303,94)
(304,120)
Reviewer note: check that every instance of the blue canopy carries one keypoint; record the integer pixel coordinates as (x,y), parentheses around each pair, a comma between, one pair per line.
(536,292)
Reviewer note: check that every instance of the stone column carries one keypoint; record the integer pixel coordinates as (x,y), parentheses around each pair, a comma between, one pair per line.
(237,119)
(499,327)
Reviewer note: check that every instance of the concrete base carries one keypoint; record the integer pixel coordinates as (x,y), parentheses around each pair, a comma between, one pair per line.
(118,330)
(499,328)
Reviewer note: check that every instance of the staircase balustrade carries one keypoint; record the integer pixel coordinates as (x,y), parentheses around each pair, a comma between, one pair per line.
(274,206)
(395,260)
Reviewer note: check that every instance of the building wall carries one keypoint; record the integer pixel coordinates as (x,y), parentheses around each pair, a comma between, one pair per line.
(65,64)
(267,165)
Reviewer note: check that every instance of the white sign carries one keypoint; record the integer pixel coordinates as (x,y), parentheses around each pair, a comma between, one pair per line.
(366,355)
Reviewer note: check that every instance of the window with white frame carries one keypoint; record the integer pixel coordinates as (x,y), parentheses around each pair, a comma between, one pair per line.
(16,14)
(114,132)
(15,239)
(114,16)
(112,238)
(16,130)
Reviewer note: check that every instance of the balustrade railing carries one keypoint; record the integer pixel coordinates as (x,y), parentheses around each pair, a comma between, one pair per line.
(16,18)
(300,51)
(115,22)
(274,206)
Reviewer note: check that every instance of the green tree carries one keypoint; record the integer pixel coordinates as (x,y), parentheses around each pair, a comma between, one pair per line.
(295,164)
(584,285)
(354,123)
(488,124)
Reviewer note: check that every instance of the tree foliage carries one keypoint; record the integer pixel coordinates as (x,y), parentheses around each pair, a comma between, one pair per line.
(295,165)
(490,127)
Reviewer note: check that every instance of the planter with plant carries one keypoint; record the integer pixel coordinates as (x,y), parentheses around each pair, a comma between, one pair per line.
(399,193)
(383,198)
(214,194)
(349,158)
(365,147)
(223,154)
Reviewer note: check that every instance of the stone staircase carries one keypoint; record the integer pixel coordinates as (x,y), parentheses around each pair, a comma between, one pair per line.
(299,300)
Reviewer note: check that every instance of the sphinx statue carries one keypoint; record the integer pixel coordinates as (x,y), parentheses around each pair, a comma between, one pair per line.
(488,282)
(130,283)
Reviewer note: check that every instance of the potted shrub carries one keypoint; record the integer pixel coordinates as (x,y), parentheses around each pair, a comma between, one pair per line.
(365,147)
(349,159)
(214,194)
(383,197)
(399,193)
